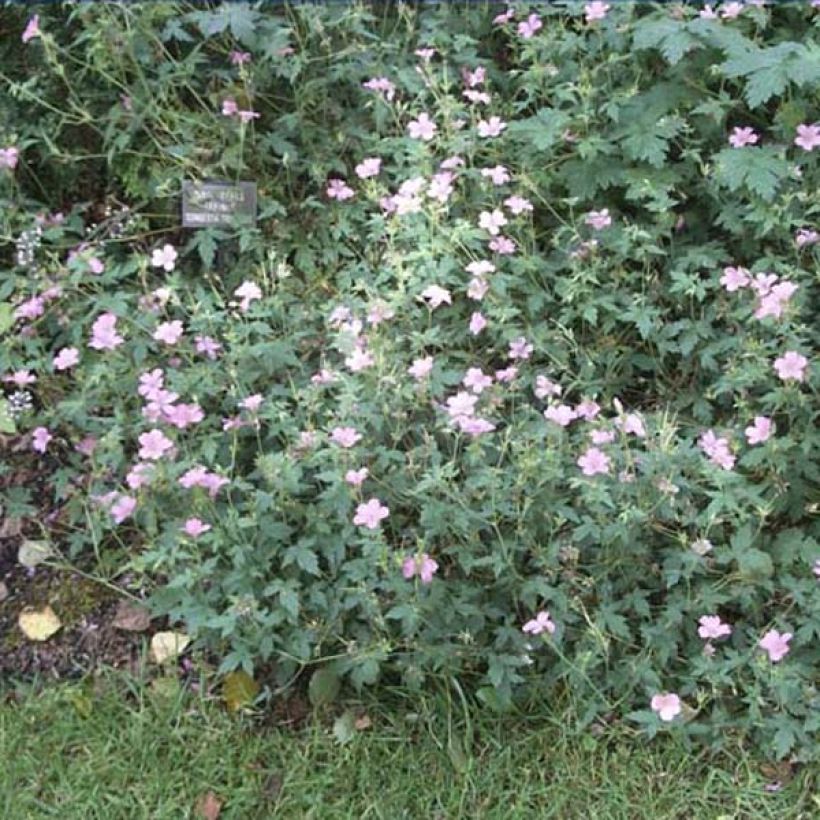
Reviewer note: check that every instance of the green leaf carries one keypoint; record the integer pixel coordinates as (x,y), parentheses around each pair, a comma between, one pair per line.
(755,565)
(761,170)
(324,686)
(7,424)
(344,728)
(6,317)
(541,131)
(670,37)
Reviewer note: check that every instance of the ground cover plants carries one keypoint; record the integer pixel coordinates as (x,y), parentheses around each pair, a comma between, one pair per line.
(510,388)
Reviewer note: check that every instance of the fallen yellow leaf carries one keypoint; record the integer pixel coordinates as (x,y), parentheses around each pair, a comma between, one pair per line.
(38,624)
(168,646)
(238,690)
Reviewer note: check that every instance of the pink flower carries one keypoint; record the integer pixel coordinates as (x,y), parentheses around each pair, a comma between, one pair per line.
(154,445)
(421,368)
(32,29)
(441,186)
(498,174)
(370,514)
(602,436)
(247,292)
(477,289)
(86,445)
(164,257)
(667,706)
(436,296)
(183,415)
(808,136)
(776,644)
(763,283)
(252,403)
(474,78)
(169,332)
(712,627)
(731,10)
(776,301)
(791,366)
(541,623)
(195,527)
(461,404)
(760,431)
(717,449)
(425,53)
(806,236)
(40,438)
(544,388)
(520,348)
(66,358)
(229,107)
(587,410)
(359,360)
(9,157)
(480,268)
(734,278)
(491,127)
(504,17)
(595,11)
(506,375)
(356,477)
(476,380)
(740,137)
(476,96)
(368,167)
(31,308)
(593,461)
(239,57)
(632,423)
(477,323)
(324,376)
(247,116)
(527,28)
(122,508)
(382,85)
(422,128)
(345,436)
(598,219)
(423,566)
(339,189)
(150,383)
(103,333)
(562,414)
(502,245)
(139,475)
(707,13)
(473,426)
(451,163)
(517,204)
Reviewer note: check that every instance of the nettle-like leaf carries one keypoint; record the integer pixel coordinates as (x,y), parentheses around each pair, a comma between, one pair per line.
(671,37)
(768,71)
(541,131)
(761,170)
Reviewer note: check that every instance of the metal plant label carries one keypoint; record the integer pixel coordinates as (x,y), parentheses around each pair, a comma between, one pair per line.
(218,204)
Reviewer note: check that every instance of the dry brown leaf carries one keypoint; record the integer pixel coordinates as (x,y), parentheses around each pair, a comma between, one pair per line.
(131,617)
(208,807)
(363,722)
(168,646)
(239,689)
(11,527)
(38,624)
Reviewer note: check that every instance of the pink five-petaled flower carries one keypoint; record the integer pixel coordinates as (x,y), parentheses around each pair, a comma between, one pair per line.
(461,405)
(421,368)
(164,257)
(154,445)
(791,366)
(356,477)
(368,167)
(808,136)
(21,378)
(593,461)
(477,323)
(491,127)
(776,644)
(339,189)
(540,623)
(422,128)
(476,380)
(183,415)
(806,236)
(9,157)
(370,514)
(436,296)
(498,174)
(229,107)
(382,85)
(741,137)
(520,348)
(210,347)
(598,219)
(240,57)
(717,449)
(492,222)
(734,278)
(595,11)
(169,332)
(528,28)
(423,566)
(66,358)
(667,705)
(247,292)
(252,403)
(774,303)
(122,508)
(40,438)
(517,204)
(248,116)
(139,475)
(32,29)
(561,414)
(104,335)
(345,436)
(359,360)
(195,527)
(710,626)
(759,431)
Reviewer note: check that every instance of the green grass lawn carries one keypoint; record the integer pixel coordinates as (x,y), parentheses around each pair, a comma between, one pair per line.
(114,749)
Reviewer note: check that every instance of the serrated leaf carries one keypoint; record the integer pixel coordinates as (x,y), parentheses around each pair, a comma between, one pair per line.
(755,565)
(759,169)
(324,686)
(670,37)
